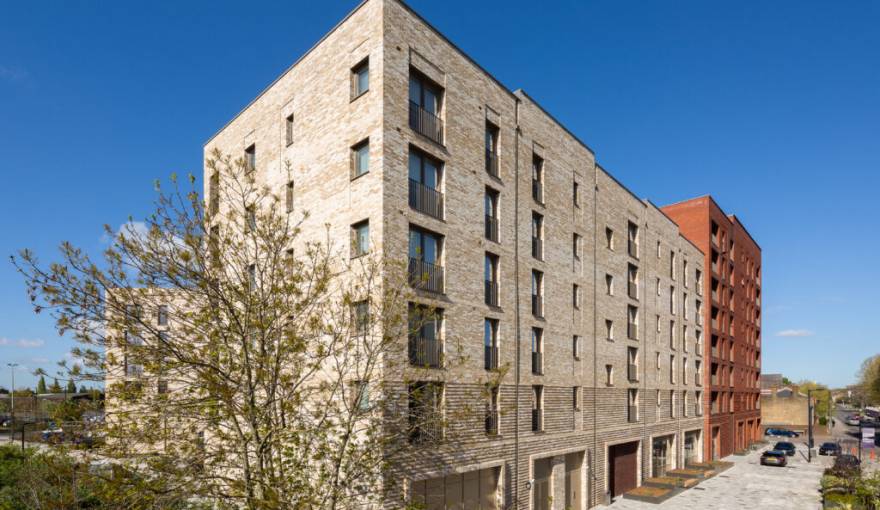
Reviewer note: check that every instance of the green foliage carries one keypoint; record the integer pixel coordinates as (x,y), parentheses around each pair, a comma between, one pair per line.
(71,386)
(41,385)
(869,380)
(55,387)
(821,396)
(786,381)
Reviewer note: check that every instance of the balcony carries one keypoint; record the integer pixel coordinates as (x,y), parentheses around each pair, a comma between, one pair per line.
(425,352)
(538,191)
(537,248)
(537,420)
(492,228)
(490,357)
(632,414)
(538,305)
(632,331)
(491,163)
(491,293)
(427,427)
(632,289)
(425,199)
(632,373)
(425,123)
(492,423)
(632,248)
(425,275)
(538,363)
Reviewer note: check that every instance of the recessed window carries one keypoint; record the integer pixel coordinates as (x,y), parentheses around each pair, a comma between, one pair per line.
(288,196)
(609,329)
(288,129)
(609,375)
(360,159)
(576,398)
(361,317)
(575,194)
(576,346)
(609,285)
(250,218)
(360,78)
(576,246)
(609,238)
(162,315)
(360,238)
(250,158)
(576,296)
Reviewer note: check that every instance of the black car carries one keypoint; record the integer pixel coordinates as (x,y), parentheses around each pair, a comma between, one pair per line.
(829,449)
(786,447)
(774,458)
(781,433)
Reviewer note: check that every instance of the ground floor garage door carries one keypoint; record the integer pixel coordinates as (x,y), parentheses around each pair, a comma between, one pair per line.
(472,490)
(623,467)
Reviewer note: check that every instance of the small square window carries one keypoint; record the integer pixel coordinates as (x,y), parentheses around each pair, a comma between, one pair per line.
(360,78)
(360,159)
(360,238)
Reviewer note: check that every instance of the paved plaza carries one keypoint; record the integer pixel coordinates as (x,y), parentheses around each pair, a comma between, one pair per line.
(750,485)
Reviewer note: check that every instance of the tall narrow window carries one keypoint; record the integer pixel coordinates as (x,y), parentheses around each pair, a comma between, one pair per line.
(490,276)
(576,398)
(537,236)
(609,329)
(492,411)
(425,412)
(538,179)
(576,346)
(250,219)
(632,281)
(632,325)
(425,103)
(575,194)
(162,315)
(250,158)
(288,129)
(214,193)
(361,318)
(360,78)
(490,206)
(492,149)
(537,293)
(609,284)
(537,351)
(425,176)
(360,239)
(632,358)
(252,277)
(609,238)
(576,246)
(576,296)
(537,408)
(425,341)
(490,344)
(425,249)
(633,407)
(288,196)
(632,239)
(360,159)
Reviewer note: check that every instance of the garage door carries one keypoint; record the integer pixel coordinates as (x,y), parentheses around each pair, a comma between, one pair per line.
(622,467)
(476,490)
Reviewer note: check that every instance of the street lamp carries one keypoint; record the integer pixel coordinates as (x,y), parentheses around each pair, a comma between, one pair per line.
(12,397)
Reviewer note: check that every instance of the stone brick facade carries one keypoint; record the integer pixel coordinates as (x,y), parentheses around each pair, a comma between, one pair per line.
(733,313)
(564,463)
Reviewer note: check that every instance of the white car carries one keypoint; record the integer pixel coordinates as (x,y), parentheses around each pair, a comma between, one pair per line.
(852,420)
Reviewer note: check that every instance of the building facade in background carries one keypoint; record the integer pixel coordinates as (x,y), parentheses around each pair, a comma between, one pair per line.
(733,315)
(587,300)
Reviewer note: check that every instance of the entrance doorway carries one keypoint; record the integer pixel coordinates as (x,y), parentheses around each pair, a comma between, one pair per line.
(691,447)
(622,467)
(573,476)
(662,455)
(716,443)
(541,487)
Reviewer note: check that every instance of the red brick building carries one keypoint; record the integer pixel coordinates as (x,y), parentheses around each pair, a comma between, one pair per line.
(732,287)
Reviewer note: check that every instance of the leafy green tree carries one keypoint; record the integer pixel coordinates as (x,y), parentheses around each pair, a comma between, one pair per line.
(71,386)
(284,381)
(83,389)
(820,394)
(55,387)
(41,385)
(869,380)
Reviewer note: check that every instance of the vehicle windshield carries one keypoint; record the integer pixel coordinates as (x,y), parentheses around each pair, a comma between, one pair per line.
(829,445)
(783,445)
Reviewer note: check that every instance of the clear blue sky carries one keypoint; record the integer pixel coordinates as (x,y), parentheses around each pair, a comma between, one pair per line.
(772,107)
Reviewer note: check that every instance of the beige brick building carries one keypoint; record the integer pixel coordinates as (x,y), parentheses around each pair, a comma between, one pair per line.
(588,295)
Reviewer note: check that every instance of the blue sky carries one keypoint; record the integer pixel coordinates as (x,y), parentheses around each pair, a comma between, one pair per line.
(772,107)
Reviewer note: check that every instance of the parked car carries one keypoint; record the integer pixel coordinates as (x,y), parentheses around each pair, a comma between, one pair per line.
(829,449)
(774,458)
(853,420)
(781,433)
(786,447)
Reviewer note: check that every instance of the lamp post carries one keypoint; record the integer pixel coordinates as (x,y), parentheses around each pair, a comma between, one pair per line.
(12,397)
(809,426)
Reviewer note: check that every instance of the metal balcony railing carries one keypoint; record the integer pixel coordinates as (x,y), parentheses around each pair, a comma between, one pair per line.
(632,373)
(425,275)
(427,427)
(537,420)
(537,305)
(538,363)
(633,290)
(490,357)
(492,423)
(632,414)
(632,331)
(491,228)
(425,123)
(491,163)
(537,248)
(491,292)
(425,199)
(538,191)
(425,352)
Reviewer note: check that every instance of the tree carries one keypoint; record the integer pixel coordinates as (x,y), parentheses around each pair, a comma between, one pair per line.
(869,380)
(821,397)
(71,386)
(41,385)
(55,387)
(786,381)
(284,381)
(83,389)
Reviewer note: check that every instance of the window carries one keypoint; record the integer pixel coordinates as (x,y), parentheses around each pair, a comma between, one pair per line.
(609,238)
(214,193)
(490,276)
(490,344)
(576,346)
(699,281)
(658,362)
(672,265)
(360,159)
(672,403)
(361,318)
(632,281)
(537,408)
(632,239)
(632,328)
(250,219)
(632,358)
(288,129)
(252,277)
(684,370)
(360,238)
(250,158)
(538,178)
(658,398)
(492,411)
(684,272)
(361,395)
(684,338)
(425,177)
(672,334)
(684,306)
(609,329)
(425,411)
(425,103)
(537,293)
(537,351)
(672,368)
(537,236)
(425,249)
(672,300)
(490,206)
(633,408)
(609,284)
(360,78)
(576,246)
(161,386)
(576,296)
(609,375)
(575,194)
(162,315)
(425,341)
(576,398)
(658,286)
(288,196)
(658,249)
(492,149)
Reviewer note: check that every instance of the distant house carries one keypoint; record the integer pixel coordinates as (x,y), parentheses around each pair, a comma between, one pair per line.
(784,407)
(770,382)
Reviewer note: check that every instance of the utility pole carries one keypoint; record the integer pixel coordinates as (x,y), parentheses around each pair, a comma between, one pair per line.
(809,426)
(12,397)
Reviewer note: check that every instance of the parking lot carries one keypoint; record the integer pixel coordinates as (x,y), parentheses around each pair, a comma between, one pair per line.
(750,485)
